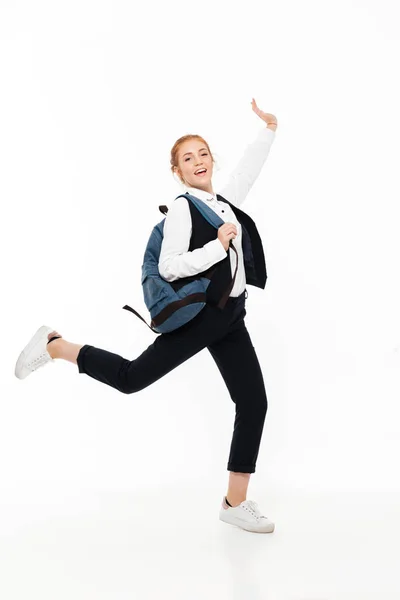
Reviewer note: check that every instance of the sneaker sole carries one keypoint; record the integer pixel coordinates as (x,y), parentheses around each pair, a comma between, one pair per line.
(37,338)
(267,528)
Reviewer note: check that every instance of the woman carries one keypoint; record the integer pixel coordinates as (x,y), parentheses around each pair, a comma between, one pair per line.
(222,332)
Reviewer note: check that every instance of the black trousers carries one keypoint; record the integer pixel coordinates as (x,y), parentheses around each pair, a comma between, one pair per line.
(224,334)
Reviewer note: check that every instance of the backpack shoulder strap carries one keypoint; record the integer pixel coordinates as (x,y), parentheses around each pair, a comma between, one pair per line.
(209,215)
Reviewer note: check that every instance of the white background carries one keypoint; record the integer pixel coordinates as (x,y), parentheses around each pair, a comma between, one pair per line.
(104,495)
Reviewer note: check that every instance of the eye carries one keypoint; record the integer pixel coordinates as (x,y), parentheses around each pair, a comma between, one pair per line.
(188,158)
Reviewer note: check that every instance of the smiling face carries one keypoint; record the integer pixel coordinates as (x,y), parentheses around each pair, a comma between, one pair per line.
(194,156)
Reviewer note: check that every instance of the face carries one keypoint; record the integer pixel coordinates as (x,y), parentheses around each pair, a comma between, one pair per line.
(193,156)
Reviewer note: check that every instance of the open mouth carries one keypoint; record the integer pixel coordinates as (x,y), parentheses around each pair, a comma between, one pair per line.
(201,173)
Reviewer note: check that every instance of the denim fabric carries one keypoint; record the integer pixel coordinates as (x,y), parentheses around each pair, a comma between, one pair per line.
(224,334)
(158,293)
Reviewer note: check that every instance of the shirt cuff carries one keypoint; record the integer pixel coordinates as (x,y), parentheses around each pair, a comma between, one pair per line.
(215,250)
(266,134)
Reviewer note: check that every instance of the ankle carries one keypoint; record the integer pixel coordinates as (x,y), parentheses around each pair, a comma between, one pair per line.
(235,501)
(53,347)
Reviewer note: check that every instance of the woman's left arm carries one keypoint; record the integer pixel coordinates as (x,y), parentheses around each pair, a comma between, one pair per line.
(249,167)
(268,118)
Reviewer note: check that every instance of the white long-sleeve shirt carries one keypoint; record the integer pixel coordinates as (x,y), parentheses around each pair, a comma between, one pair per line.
(175,260)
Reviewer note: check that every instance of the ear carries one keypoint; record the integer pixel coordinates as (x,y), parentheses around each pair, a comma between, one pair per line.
(178,175)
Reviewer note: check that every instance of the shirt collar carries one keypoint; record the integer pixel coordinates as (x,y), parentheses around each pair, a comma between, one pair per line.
(201,194)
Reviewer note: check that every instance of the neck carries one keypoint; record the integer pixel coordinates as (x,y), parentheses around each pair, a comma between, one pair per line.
(207,188)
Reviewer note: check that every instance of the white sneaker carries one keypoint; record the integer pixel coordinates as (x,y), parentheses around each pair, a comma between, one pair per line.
(247,516)
(35,354)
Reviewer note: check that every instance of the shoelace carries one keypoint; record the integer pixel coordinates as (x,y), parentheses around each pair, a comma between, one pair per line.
(252,507)
(39,361)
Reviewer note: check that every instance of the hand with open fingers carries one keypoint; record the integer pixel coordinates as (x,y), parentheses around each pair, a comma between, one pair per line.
(268,118)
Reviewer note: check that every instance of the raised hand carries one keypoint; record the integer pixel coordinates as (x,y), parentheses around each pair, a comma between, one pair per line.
(266,117)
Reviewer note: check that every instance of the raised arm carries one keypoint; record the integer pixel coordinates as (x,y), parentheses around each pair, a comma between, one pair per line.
(249,166)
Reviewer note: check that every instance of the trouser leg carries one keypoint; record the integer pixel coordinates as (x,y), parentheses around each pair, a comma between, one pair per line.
(167,352)
(237,361)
